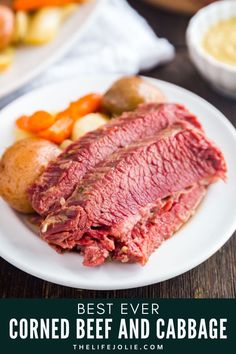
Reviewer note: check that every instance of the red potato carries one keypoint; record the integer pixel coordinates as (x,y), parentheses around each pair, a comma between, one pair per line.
(20,165)
(7,20)
(128,92)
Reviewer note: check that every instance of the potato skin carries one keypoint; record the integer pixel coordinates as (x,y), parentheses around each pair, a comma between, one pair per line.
(20,165)
(128,92)
(7,21)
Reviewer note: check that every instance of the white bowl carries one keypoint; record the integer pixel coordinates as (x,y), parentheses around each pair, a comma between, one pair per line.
(222,76)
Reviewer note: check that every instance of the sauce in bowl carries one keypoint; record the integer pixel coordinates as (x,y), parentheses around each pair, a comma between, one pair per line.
(220,41)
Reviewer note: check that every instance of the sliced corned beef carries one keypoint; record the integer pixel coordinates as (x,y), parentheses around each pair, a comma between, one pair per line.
(148,234)
(60,178)
(159,223)
(113,197)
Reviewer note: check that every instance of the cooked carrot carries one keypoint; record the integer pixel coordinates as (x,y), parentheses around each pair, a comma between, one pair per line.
(59,131)
(58,128)
(63,114)
(88,104)
(40,120)
(23,122)
(28,5)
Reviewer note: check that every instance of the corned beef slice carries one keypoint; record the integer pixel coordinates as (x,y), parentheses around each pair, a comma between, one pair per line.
(61,177)
(112,199)
(158,224)
(161,224)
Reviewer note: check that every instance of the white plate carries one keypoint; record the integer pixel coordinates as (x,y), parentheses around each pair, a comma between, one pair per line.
(208,230)
(29,61)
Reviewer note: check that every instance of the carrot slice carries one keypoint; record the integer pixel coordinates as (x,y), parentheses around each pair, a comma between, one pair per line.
(40,120)
(28,5)
(59,131)
(23,122)
(88,104)
(63,114)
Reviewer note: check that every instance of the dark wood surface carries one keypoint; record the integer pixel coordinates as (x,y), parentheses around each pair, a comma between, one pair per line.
(216,277)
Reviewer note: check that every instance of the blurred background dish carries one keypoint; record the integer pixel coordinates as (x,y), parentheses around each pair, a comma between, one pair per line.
(215,68)
(183,6)
(30,22)
(107,35)
(29,61)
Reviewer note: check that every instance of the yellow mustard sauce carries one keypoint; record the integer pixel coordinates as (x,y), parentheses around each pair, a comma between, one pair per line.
(220,41)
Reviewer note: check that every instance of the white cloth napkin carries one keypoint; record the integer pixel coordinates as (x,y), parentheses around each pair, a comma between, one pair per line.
(119,41)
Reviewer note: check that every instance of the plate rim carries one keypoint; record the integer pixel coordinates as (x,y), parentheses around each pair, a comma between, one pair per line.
(202,257)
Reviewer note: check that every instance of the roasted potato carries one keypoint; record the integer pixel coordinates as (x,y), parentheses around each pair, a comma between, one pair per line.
(128,92)
(6,26)
(21,26)
(20,165)
(44,25)
(88,123)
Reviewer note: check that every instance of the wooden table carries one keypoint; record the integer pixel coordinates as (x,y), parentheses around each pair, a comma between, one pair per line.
(216,277)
